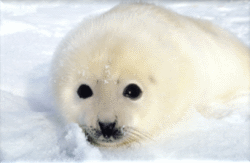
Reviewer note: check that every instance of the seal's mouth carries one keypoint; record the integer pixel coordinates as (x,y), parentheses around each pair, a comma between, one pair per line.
(124,136)
(100,138)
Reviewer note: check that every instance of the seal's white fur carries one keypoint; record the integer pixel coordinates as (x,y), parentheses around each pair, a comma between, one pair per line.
(177,61)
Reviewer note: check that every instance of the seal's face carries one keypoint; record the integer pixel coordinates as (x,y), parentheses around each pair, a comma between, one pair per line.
(114,107)
(118,90)
(109,123)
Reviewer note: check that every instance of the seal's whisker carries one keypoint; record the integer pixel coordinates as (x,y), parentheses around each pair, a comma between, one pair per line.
(139,133)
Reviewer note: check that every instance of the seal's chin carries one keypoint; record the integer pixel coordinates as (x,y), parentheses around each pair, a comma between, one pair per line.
(107,142)
(97,138)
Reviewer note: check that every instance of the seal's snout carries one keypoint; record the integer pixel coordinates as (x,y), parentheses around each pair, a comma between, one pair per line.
(108,129)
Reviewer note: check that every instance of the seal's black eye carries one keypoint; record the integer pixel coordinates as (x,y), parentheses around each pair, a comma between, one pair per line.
(84,91)
(132,91)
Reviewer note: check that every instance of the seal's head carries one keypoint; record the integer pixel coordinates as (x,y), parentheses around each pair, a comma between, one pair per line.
(119,81)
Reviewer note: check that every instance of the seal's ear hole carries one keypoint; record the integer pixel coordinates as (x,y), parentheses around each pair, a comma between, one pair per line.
(132,91)
(84,91)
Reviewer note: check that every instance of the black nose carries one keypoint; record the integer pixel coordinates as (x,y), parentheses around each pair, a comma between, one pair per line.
(107,129)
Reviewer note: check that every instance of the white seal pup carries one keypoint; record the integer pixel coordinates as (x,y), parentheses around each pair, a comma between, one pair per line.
(134,72)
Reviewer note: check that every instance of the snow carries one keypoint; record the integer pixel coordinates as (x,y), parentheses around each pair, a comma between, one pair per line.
(31,129)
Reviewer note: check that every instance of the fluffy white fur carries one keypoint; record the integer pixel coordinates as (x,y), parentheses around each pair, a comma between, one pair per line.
(177,61)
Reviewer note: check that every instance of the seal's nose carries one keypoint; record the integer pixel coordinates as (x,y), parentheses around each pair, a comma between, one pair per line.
(107,129)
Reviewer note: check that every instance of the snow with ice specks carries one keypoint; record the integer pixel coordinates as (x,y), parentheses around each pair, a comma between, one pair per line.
(31,129)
